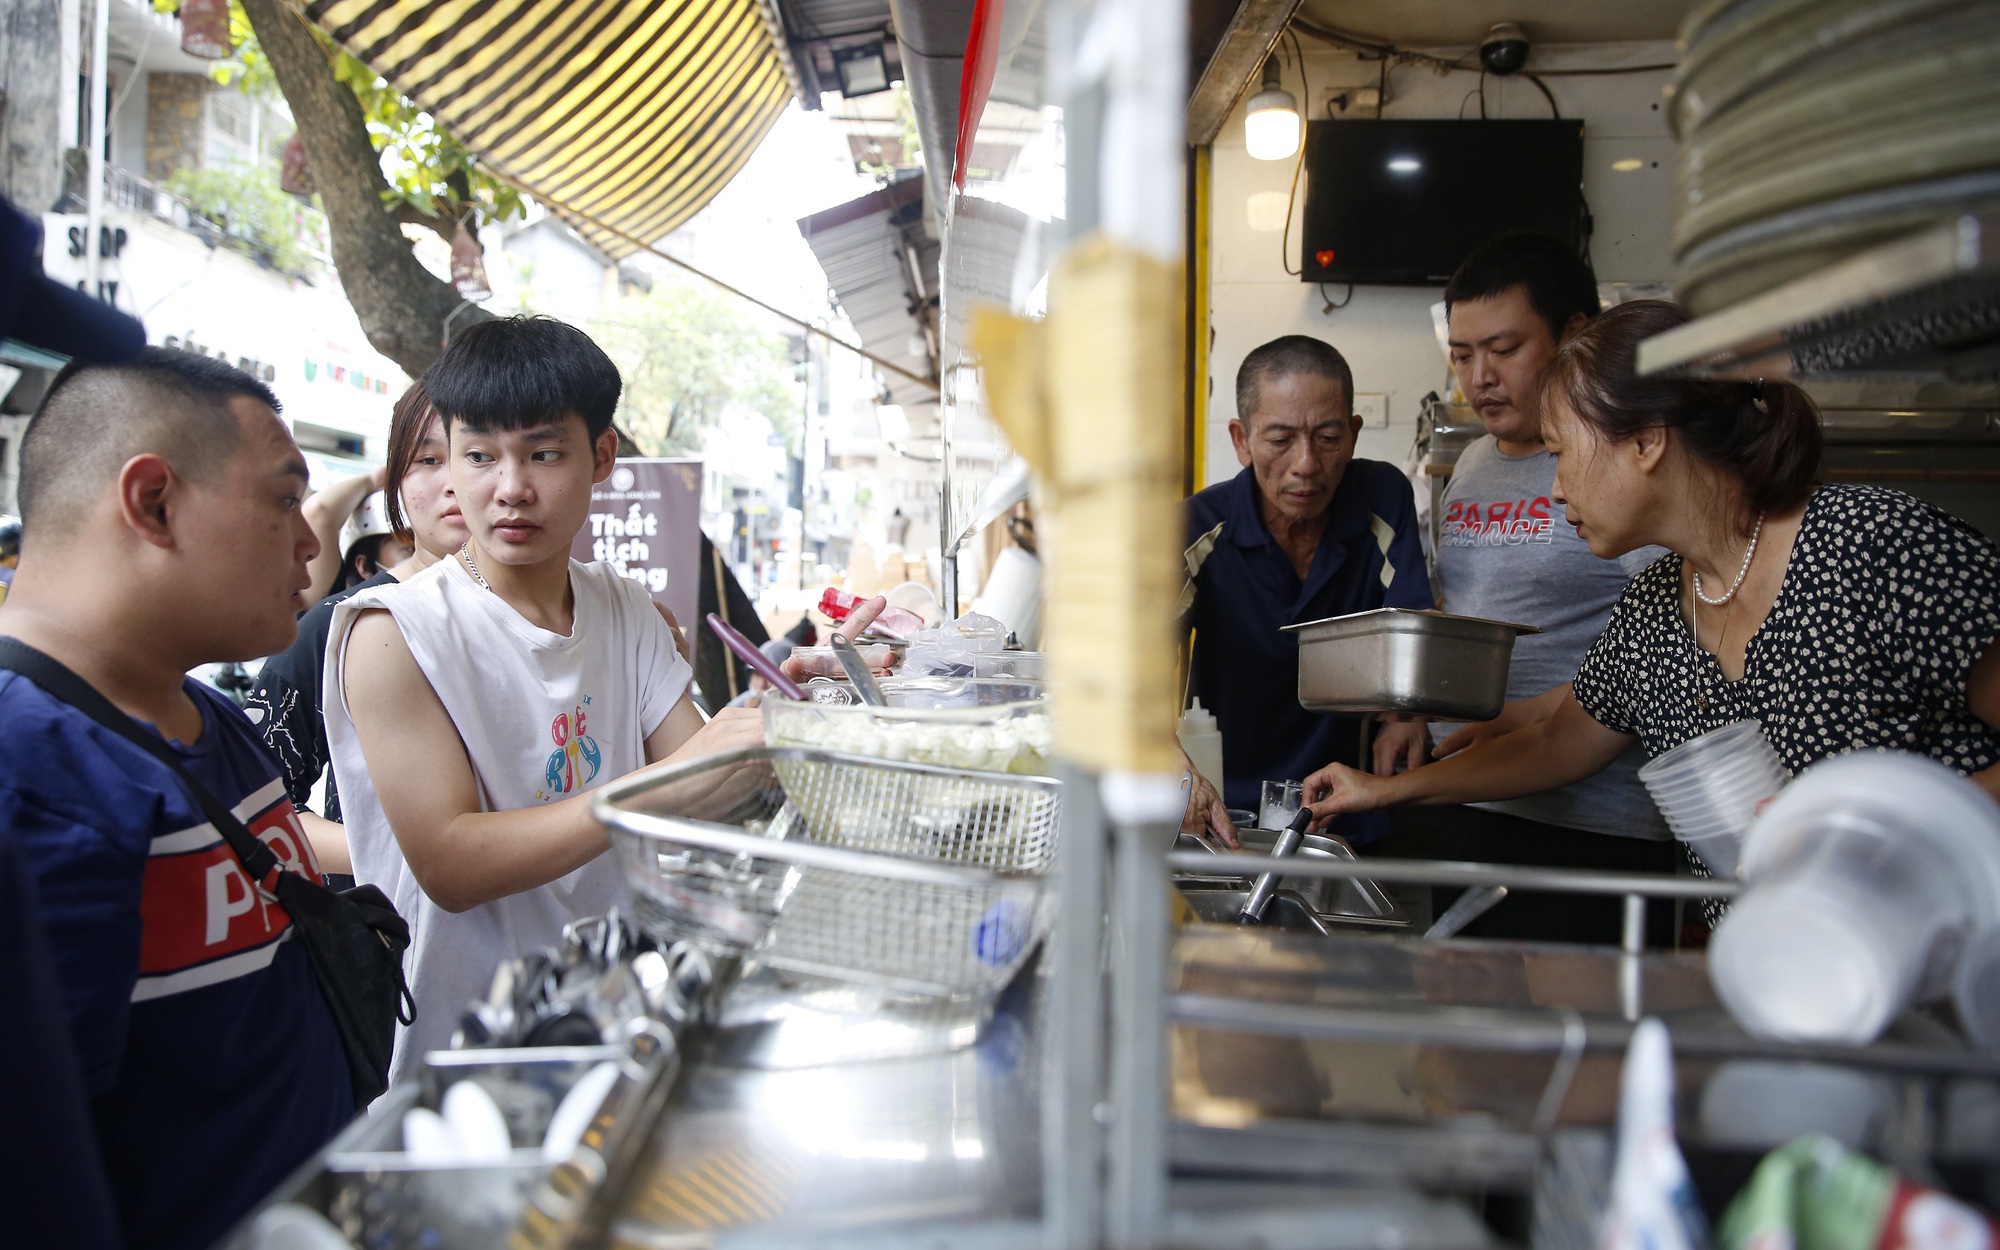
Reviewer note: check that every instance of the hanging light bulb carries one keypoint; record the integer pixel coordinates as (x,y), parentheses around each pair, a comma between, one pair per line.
(1271,127)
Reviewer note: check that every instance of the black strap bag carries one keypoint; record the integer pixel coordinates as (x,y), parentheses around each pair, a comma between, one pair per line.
(355,938)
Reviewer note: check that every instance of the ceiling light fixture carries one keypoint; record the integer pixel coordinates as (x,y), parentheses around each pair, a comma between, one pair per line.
(863,69)
(1271,126)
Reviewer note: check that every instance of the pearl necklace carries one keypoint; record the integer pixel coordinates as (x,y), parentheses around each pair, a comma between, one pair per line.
(465,554)
(1734,586)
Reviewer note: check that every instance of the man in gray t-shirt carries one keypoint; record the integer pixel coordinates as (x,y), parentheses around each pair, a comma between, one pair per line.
(1506,552)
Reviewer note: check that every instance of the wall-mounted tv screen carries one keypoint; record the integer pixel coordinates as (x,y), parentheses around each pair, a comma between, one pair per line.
(1403,202)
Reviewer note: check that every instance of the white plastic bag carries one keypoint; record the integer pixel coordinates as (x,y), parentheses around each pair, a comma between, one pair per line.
(1653,1204)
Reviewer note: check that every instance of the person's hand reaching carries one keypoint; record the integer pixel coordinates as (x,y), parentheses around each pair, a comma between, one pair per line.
(1206,811)
(1517,714)
(1401,745)
(730,729)
(1342,790)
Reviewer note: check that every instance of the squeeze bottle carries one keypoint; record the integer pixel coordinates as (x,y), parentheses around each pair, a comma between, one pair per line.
(1203,742)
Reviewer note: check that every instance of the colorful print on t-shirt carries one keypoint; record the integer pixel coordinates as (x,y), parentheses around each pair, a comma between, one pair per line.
(1499,523)
(576,758)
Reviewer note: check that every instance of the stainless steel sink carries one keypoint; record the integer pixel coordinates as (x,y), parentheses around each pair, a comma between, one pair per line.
(1286,910)
(1329,903)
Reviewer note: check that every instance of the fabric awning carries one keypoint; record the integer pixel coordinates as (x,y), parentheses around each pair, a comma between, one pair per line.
(623,116)
(883,268)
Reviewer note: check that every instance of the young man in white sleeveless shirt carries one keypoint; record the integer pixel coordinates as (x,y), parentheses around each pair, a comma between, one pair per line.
(469,709)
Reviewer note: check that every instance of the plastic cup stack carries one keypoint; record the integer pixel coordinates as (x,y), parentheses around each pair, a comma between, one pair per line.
(1710,789)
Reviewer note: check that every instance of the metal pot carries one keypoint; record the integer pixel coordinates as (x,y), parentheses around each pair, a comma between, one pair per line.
(1399,660)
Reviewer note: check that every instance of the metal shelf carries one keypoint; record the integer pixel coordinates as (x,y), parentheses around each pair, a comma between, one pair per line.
(1925,307)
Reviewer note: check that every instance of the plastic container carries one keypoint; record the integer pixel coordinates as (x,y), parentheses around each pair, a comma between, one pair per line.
(1032,665)
(1831,946)
(1202,741)
(838,604)
(1975,989)
(931,692)
(1001,738)
(1760,1104)
(1711,787)
(822,662)
(1865,879)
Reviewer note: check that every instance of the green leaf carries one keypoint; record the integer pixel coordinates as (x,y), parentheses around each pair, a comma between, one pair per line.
(255,216)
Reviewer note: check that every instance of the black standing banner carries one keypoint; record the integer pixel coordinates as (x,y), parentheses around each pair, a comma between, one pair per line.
(645,521)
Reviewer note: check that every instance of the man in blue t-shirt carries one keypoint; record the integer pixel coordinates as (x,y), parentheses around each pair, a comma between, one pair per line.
(1305,531)
(160,501)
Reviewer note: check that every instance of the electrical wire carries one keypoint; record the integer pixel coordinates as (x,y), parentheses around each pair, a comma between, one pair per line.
(1305,88)
(1292,197)
(1332,307)
(1608,69)
(1390,51)
(1546,95)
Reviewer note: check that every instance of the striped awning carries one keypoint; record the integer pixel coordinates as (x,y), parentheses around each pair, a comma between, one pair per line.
(623,116)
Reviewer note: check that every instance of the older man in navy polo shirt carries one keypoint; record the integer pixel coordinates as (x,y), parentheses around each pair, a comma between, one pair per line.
(1305,531)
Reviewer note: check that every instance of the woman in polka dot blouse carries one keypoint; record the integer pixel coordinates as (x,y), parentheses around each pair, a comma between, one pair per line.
(1842,617)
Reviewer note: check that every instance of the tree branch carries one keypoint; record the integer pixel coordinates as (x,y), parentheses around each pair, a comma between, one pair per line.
(411,215)
(401,306)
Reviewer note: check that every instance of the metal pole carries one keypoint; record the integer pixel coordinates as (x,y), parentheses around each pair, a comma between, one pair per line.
(100,66)
(1454,872)
(1541,1030)
(1633,946)
(947,557)
(1146,813)
(1072,1154)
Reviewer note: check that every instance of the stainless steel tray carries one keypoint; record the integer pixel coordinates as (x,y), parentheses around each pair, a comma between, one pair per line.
(1400,660)
(1317,904)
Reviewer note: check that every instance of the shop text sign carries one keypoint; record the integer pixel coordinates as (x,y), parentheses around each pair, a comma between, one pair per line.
(645,522)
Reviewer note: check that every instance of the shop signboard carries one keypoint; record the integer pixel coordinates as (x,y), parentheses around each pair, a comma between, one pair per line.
(301,338)
(645,521)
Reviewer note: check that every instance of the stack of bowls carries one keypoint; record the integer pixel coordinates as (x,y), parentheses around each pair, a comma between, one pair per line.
(1812,129)
(1710,790)
(1867,883)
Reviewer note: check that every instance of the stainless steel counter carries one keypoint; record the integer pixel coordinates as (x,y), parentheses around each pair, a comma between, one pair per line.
(942,1151)
(907,1142)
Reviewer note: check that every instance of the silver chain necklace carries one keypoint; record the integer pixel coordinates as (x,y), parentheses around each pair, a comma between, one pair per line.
(465,554)
(1748,553)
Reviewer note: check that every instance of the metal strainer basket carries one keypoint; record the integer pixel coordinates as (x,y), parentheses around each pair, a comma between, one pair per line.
(922,878)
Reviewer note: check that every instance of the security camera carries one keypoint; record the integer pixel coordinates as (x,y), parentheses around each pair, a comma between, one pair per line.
(1504,50)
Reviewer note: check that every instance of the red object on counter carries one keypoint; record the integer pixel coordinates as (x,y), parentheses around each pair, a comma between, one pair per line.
(838,604)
